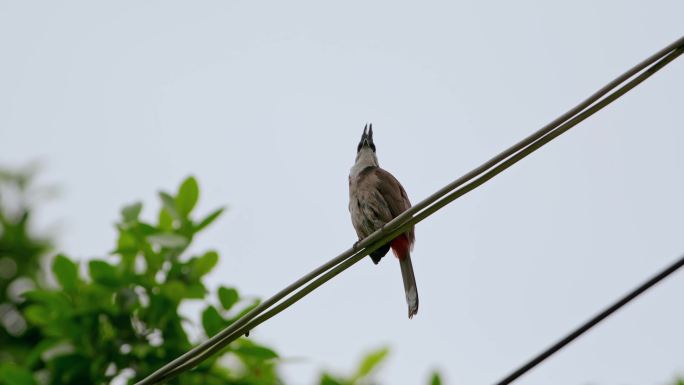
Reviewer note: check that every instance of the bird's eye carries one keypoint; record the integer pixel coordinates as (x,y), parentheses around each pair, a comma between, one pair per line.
(372,146)
(358,148)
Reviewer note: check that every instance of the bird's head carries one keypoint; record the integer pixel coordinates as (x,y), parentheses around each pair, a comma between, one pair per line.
(365,151)
(366,139)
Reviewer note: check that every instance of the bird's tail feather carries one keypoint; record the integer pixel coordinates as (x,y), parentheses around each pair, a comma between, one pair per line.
(410,287)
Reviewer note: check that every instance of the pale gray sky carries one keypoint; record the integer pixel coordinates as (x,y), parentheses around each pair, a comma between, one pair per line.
(265,102)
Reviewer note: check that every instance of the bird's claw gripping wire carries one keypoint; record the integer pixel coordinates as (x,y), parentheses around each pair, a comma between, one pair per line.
(355,247)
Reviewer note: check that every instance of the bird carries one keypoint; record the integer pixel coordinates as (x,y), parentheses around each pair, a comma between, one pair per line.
(375,198)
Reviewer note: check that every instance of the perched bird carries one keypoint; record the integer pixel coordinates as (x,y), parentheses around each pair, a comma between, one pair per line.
(375,198)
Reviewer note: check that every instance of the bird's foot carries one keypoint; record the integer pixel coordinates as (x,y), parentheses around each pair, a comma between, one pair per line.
(355,247)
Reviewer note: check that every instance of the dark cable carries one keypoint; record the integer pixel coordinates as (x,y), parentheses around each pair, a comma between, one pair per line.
(592,322)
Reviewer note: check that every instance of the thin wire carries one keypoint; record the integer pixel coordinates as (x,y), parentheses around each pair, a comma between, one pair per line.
(393,228)
(592,322)
(430,210)
(552,135)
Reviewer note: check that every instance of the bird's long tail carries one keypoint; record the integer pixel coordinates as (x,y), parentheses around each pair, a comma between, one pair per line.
(401,247)
(409,285)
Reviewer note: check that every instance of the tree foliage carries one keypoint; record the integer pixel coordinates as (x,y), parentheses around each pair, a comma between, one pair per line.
(20,255)
(118,316)
(116,319)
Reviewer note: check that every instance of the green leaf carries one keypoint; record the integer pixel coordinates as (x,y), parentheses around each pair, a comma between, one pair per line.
(212,322)
(169,203)
(131,212)
(228,297)
(66,272)
(257,352)
(435,379)
(209,219)
(370,362)
(165,219)
(103,273)
(188,193)
(168,240)
(196,291)
(205,263)
(327,379)
(37,315)
(154,262)
(53,299)
(175,290)
(11,374)
(126,245)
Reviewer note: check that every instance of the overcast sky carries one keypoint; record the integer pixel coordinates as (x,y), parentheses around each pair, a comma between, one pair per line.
(264,104)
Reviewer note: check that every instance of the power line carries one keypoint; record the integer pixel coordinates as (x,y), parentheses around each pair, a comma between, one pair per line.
(592,322)
(417,213)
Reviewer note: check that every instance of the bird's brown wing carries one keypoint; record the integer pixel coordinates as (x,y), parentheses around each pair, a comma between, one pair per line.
(394,195)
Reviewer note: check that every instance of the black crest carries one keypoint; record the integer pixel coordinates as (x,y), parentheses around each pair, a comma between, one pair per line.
(366,138)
